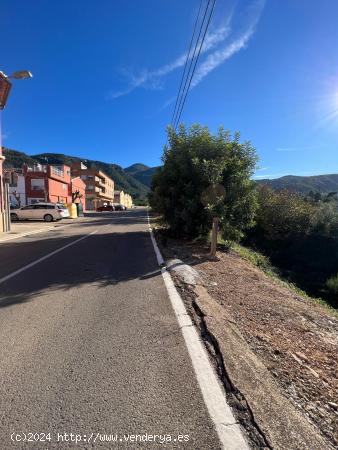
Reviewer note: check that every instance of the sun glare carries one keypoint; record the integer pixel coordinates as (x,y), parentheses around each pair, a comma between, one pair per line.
(328,106)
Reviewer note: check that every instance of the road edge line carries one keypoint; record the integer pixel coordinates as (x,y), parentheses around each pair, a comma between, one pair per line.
(37,261)
(228,430)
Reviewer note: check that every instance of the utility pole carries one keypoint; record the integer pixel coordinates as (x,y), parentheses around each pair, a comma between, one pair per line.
(214,233)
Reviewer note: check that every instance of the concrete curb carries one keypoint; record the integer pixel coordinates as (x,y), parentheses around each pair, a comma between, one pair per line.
(228,430)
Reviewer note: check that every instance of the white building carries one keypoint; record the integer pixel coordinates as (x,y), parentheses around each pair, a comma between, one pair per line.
(17,188)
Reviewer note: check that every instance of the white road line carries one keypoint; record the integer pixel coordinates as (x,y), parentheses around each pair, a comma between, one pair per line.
(228,430)
(37,261)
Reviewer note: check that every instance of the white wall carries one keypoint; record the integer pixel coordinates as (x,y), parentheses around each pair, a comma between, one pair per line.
(19,189)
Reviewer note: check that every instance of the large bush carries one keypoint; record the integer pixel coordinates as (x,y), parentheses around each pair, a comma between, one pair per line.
(332,284)
(282,214)
(325,219)
(205,176)
(300,237)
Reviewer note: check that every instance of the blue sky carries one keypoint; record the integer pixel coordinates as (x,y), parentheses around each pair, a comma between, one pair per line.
(106,73)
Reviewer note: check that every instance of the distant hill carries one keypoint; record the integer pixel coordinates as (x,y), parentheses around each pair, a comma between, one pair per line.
(142,173)
(136,179)
(124,180)
(16,159)
(316,183)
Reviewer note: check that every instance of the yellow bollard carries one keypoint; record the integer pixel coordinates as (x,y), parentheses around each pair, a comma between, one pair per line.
(72,210)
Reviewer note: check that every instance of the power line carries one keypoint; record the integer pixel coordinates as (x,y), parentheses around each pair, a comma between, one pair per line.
(186,61)
(184,94)
(174,123)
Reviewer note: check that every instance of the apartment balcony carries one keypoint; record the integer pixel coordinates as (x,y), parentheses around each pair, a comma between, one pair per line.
(99,182)
(37,168)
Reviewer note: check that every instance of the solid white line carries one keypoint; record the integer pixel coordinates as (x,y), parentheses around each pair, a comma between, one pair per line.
(228,430)
(37,261)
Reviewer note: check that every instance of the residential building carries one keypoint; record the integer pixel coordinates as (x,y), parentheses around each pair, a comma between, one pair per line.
(118,198)
(77,190)
(128,201)
(47,183)
(4,223)
(122,198)
(99,187)
(16,186)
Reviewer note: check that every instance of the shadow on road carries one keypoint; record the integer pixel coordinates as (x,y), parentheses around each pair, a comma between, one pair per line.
(111,256)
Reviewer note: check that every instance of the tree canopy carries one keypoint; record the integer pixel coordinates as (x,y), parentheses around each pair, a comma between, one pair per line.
(205,176)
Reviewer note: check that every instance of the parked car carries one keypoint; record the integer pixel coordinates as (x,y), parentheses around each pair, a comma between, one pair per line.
(38,211)
(105,208)
(120,208)
(64,210)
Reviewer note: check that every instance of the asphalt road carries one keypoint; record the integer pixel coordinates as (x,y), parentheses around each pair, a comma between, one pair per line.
(89,343)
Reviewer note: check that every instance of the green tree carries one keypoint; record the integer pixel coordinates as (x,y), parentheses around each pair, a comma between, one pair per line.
(204,176)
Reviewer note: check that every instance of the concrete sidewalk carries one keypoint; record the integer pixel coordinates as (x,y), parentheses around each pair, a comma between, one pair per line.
(26,228)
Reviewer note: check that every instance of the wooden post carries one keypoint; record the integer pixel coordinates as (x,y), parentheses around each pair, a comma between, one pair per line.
(214,232)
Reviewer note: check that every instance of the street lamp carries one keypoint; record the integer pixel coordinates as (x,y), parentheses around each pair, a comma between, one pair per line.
(21,75)
(5,87)
(5,84)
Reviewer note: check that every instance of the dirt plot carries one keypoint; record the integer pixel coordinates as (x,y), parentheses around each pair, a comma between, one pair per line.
(296,339)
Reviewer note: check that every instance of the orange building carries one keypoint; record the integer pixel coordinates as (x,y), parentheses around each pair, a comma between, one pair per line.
(99,187)
(49,183)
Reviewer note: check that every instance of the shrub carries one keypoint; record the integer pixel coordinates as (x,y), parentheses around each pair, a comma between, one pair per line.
(205,176)
(325,220)
(282,214)
(332,284)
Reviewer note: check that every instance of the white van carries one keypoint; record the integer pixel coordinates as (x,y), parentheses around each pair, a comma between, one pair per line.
(38,211)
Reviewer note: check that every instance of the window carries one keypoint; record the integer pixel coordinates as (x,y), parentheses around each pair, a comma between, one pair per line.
(37,184)
(57,171)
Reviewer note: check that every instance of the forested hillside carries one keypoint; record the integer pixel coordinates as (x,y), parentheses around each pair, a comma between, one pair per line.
(317,183)
(123,180)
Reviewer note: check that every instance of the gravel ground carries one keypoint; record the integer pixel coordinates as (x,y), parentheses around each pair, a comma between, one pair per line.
(296,339)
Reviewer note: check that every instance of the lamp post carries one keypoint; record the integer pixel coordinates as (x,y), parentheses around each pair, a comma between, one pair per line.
(5,87)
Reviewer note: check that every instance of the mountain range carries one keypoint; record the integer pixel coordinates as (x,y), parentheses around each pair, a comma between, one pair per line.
(136,179)
(303,185)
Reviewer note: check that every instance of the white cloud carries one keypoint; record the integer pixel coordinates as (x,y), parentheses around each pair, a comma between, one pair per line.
(211,41)
(152,79)
(249,18)
(167,103)
(220,56)
(287,149)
